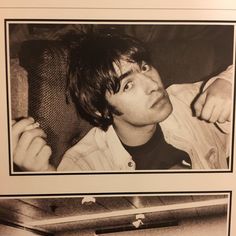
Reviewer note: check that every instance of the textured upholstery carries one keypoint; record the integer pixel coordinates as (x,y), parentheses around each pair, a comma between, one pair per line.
(19,90)
(46,63)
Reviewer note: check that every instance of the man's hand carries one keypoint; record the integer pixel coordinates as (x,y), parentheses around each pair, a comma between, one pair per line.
(30,151)
(214,104)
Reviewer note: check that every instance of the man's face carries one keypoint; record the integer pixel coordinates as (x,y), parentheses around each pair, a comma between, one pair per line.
(142,99)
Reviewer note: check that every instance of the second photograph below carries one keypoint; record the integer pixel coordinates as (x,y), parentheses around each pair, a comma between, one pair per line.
(205,214)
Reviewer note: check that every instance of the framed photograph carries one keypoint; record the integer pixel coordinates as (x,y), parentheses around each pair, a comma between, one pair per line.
(120,96)
(130,214)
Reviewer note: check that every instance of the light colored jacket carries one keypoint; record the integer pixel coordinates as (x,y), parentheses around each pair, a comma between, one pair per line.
(205,143)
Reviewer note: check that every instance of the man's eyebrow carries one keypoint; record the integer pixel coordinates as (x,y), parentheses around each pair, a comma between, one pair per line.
(126,74)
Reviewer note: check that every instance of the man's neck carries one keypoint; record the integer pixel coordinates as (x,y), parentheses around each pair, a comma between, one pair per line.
(134,135)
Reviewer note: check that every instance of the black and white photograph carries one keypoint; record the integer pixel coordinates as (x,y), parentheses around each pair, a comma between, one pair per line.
(205,214)
(120,96)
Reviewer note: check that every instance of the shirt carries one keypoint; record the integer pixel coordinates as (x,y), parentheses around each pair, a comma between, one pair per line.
(157,154)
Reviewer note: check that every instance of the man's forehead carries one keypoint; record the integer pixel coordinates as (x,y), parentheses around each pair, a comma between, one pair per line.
(124,66)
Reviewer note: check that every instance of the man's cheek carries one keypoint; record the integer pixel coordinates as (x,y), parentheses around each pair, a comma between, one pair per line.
(115,110)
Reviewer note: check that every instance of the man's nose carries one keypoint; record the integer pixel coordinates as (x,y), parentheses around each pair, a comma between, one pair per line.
(149,85)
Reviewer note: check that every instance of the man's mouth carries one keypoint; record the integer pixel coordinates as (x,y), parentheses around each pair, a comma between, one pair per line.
(158,99)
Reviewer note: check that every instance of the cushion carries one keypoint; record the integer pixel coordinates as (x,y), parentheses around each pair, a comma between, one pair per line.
(47,65)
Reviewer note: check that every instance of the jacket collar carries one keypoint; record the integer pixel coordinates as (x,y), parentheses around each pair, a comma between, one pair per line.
(121,157)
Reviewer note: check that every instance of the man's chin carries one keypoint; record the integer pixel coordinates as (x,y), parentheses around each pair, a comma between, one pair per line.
(167,112)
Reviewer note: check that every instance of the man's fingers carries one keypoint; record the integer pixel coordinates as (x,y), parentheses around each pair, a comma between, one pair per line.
(24,143)
(27,137)
(30,151)
(43,158)
(199,103)
(35,146)
(18,128)
(212,108)
(207,109)
(39,162)
(224,116)
(215,114)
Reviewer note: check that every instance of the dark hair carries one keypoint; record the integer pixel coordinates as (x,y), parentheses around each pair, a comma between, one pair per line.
(92,73)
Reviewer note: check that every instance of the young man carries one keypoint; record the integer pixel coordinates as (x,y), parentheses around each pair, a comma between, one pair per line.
(138,123)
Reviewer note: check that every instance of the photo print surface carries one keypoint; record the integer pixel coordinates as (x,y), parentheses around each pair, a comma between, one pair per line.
(109,97)
(130,214)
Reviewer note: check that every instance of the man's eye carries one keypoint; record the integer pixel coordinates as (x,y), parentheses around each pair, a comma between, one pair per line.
(145,67)
(128,86)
